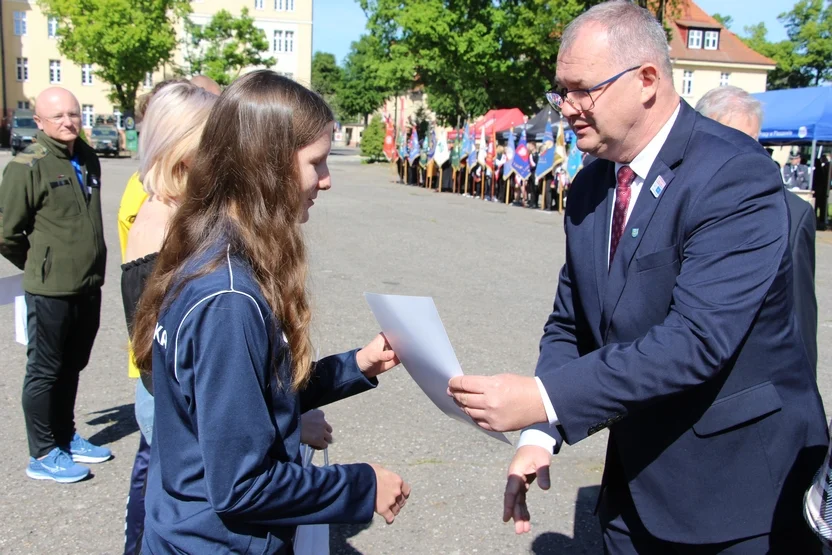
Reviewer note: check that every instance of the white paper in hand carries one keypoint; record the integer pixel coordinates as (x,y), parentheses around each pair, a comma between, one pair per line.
(415,331)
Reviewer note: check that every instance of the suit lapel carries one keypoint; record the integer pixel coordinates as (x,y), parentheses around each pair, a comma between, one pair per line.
(637,225)
(602,233)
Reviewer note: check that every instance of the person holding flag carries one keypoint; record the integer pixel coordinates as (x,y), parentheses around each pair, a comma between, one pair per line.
(546,164)
(520,166)
(472,159)
(441,155)
(390,151)
(423,161)
(401,158)
(456,158)
(413,158)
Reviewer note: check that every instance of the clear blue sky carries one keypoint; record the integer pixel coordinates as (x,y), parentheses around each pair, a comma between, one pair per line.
(337,23)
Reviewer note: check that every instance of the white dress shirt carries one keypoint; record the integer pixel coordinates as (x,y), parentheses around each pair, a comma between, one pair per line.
(546,435)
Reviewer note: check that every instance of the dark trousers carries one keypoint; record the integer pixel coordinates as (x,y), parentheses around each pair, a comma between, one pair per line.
(134,518)
(625,534)
(61,334)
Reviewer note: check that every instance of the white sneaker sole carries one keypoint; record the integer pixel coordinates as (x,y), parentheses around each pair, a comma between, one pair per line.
(62,480)
(90,460)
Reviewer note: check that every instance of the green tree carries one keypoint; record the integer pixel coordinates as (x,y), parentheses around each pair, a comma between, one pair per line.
(364,87)
(225,46)
(372,141)
(123,39)
(326,75)
(809,27)
(805,58)
(725,20)
(327,78)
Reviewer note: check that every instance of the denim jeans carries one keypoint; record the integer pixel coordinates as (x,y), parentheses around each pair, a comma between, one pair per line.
(144,411)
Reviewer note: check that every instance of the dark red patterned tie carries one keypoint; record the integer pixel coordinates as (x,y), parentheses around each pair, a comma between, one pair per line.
(626,176)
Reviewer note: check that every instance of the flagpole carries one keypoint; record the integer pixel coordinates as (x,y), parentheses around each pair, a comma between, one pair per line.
(467,173)
(439,187)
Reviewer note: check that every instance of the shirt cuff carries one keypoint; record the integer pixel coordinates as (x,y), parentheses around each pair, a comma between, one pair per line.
(541,435)
(551,415)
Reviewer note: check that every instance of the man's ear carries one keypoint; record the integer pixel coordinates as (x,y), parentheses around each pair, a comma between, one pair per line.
(650,77)
(38,122)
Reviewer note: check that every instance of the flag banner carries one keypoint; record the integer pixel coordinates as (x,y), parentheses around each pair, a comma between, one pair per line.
(467,146)
(472,154)
(508,167)
(432,144)
(456,153)
(402,142)
(490,154)
(575,162)
(423,157)
(442,154)
(390,143)
(520,164)
(483,151)
(560,146)
(546,161)
(415,150)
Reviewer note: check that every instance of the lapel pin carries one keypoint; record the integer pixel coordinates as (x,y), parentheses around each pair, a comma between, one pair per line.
(658,187)
(635,232)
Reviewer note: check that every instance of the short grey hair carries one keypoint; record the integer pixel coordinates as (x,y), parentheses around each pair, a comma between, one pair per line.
(724,101)
(635,35)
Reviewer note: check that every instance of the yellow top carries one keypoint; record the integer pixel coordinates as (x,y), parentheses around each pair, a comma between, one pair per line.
(132,199)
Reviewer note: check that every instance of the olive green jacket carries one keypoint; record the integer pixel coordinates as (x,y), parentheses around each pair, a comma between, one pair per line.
(51,226)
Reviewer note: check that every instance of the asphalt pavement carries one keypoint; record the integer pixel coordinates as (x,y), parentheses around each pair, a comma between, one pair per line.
(492,271)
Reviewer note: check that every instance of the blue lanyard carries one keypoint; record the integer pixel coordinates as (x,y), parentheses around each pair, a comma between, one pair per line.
(80,174)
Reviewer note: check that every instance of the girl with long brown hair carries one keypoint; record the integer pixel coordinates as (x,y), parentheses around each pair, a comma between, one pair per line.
(224,326)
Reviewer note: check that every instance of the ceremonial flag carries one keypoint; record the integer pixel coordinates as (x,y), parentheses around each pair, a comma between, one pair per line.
(472,153)
(546,161)
(466,148)
(423,157)
(520,163)
(574,162)
(481,155)
(432,144)
(508,168)
(390,142)
(415,151)
(402,142)
(456,153)
(560,146)
(442,153)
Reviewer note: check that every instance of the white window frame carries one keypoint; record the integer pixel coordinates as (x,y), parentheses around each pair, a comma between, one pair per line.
(711,40)
(148,80)
(23,105)
(723,79)
(20,24)
(278,5)
(687,82)
(88,114)
(52,27)
(54,71)
(86,74)
(695,38)
(23,69)
(289,42)
(258,4)
(290,5)
(277,41)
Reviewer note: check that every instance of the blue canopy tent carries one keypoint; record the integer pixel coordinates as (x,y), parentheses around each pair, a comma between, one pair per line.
(798,117)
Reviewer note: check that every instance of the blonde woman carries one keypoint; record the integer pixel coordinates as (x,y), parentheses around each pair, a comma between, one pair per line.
(170,135)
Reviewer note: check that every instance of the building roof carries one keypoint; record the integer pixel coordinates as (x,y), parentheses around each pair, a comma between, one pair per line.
(731,49)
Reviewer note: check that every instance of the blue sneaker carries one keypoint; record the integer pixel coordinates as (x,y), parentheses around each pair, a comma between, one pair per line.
(57,466)
(85,452)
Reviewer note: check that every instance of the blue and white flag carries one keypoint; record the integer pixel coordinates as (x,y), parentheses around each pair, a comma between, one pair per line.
(546,161)
(415,150)
(520,162)
(508,168)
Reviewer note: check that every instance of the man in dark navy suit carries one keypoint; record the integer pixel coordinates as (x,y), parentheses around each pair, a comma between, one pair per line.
(735,108)
(668,325)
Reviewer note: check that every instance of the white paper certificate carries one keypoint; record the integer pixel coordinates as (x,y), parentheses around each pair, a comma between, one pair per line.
(415,331)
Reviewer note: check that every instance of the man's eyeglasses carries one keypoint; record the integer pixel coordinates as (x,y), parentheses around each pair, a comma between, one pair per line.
(580,99)
(73,116)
